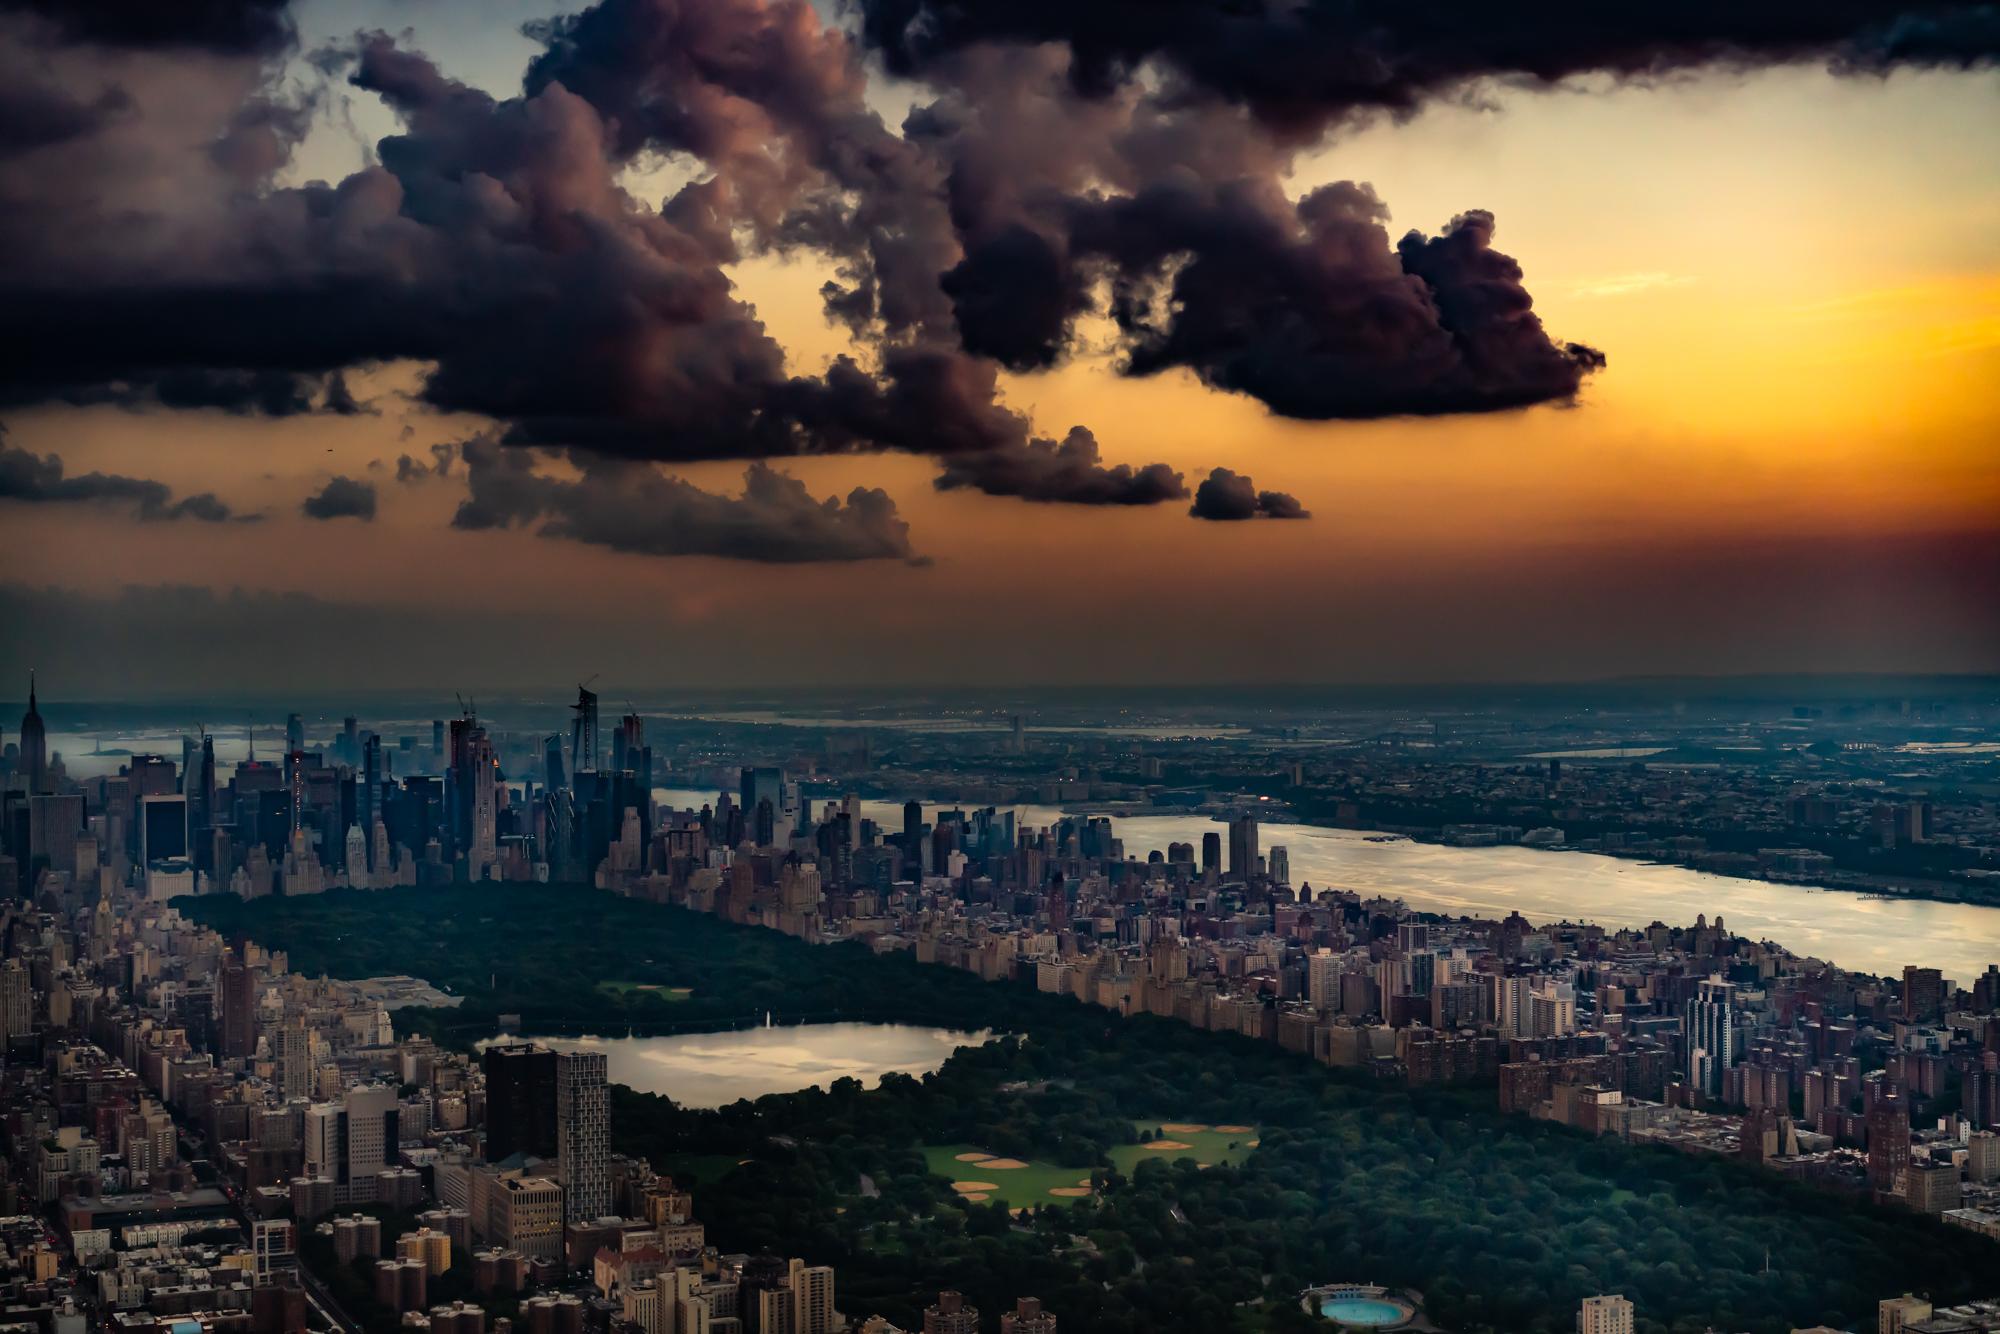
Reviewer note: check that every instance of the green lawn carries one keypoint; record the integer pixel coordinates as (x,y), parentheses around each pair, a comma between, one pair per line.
(1206,1145)
(623,990)
(1016,1187)
(1019,1186)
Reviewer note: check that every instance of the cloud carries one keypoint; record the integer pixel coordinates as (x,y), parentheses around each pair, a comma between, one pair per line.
(412,469)
(633,507)
(1299,66)
(37,479)
(1066,472)
(1227,496)
(342,498)
(240,27)
(1307,308)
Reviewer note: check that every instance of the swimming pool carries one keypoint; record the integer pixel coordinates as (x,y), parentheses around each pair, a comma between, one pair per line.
(1363,1312)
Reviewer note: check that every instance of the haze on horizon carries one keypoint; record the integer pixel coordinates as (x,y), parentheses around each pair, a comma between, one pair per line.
(480,408)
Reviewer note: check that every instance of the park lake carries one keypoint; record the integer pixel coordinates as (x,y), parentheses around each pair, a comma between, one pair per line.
(716,1069)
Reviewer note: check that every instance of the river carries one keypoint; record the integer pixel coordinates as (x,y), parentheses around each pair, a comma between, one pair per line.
(1845,928)
(716,1069)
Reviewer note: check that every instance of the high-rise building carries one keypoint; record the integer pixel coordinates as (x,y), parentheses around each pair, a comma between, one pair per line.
(1888,1143)
(34,761)
(295,734)
(951,1314)
(371,793)
(274,1251)
(295,1058)
(17,1003)
(1604,1315)
(351,1142)
(583,732)
(163,829)
(520,1101)
(1982,1158)
(582,1135)
(1709,1029)
(802,1303)
(200,787)
(1931,1188)
(1280,870)
(236,998)
(1028,1317)
(1211,853)
(1243,847)
(1923,995)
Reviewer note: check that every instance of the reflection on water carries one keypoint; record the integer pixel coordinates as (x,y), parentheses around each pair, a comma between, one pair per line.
(716,1069)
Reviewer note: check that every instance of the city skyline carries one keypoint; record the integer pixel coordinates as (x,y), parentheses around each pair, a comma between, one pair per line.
(1780,242)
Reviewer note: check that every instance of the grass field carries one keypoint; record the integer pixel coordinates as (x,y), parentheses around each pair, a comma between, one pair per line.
(1036,1182)
(1208,1144)
(663,992)
(1016,1187)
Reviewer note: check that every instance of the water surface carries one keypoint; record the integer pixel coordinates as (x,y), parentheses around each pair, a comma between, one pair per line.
(716,1069)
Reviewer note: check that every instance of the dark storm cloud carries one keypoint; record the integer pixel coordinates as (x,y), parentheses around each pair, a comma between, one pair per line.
(37,479)
(341,498)
(1066,472)
(35,114)
(1305,307)
(633,507)
(1227,496)
(1298,64)
(243,27)
(149,254)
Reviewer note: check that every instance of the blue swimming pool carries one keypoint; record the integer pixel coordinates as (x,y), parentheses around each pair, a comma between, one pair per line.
(1363,1312)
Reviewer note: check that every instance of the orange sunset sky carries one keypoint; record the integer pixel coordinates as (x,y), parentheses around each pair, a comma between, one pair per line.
(1790,463)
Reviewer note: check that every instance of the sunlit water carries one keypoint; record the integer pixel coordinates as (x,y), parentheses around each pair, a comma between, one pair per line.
(716,1069)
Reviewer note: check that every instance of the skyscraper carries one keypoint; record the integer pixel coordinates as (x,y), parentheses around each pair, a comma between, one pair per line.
(1243,847)
(1888,1143)
(236,995)
(520,1101)
(163,829)
(34,765)
(17,1003)
(1709,1027)
(582,1135)
(295,1058)
(371,792)
(583,732)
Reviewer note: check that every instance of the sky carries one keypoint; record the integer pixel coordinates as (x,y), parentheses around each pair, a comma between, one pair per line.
(742,342)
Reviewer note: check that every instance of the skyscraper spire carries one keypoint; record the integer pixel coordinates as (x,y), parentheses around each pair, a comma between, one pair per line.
(34,763)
